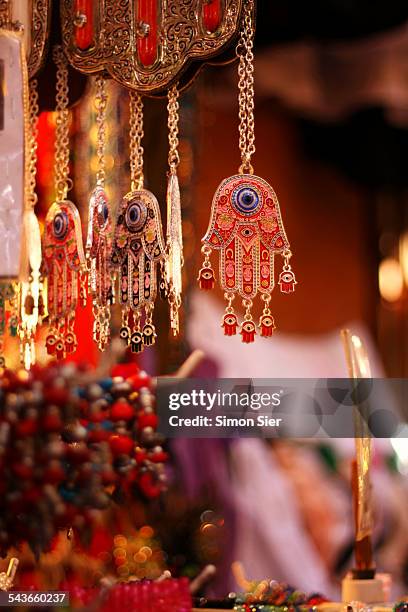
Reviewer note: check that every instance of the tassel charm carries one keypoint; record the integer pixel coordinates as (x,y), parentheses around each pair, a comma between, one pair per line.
(287,280)
(248,329)
(266,321)
(206,278)
(229,320)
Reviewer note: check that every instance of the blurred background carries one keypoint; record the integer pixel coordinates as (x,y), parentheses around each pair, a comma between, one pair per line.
(331,120)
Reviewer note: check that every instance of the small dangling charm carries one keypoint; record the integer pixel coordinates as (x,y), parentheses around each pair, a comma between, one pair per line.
(51,341)
(229,320)
(136,341)
(287,280)
(230,323)
(149,331)
(266,321)
(248,330)
(125,331)
(206,277)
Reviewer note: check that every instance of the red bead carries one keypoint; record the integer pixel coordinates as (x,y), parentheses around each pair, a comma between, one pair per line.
(98,434)
(23,471)
(53,474)
(140,380)
(26,427)
(148,486)
(121,445)
(122,411)
(149,419)
(58,396)
(52,422)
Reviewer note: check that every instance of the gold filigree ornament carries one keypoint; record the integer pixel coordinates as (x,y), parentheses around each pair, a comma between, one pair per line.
(100,233)
(148,45)
(63,253)
(138,244)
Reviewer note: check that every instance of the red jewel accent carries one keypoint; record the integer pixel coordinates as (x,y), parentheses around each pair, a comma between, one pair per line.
(84,33)
(212,15)
(147,42)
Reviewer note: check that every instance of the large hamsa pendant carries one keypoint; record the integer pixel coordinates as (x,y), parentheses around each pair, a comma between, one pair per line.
(246,228)
(138,249)
(65,267)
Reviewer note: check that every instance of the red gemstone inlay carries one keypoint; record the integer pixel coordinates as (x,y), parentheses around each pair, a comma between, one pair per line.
(211,15)
(147,37)
(84,26)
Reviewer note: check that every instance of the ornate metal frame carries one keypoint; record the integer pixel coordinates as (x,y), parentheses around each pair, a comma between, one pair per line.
(183,42)
(40,28)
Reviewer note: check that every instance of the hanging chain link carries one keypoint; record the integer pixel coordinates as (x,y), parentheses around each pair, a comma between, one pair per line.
(246,89)
(101,99)
(62,182)
(173,125)
(32,140)
(136,136)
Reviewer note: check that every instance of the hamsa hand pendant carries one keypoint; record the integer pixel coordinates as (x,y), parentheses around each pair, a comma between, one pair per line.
(138,248)
(246,228)
(98,253)
(65,267)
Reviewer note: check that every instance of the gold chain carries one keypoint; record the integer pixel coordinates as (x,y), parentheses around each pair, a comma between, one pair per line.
(62,182)
(246,90)
(172,122)
(136,135)
(32,140)
(100,105)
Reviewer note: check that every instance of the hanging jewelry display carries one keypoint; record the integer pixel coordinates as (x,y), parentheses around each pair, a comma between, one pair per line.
(64,258)
(147,45)
(31,305)
(246,225)
(174,246)
(138,245)
(100,232)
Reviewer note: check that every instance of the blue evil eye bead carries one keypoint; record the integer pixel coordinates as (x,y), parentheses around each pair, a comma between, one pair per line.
(246,200)
(60,225)
(136,215)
